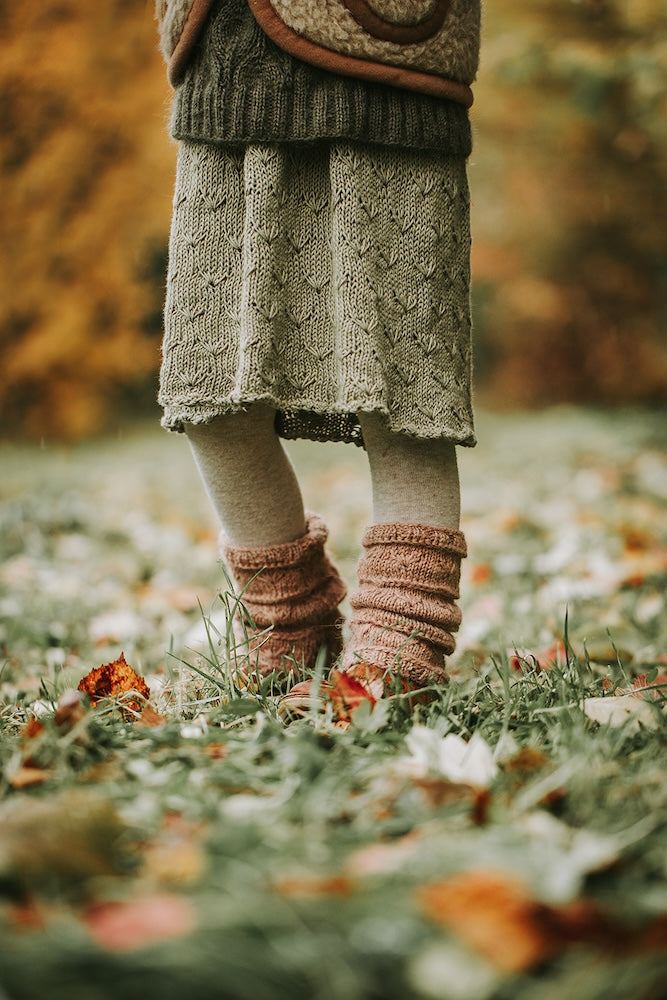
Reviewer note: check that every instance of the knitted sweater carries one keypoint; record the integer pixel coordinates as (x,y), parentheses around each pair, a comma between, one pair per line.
(431,46)
(238,85)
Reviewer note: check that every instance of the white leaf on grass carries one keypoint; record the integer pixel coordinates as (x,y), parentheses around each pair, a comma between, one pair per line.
(450,972)
(590,851)
(570,854)
(196,729)
(450,756)
(506,748)
(621,710)
(42,707)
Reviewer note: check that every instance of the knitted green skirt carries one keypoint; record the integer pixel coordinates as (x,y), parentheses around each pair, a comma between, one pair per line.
(324,279)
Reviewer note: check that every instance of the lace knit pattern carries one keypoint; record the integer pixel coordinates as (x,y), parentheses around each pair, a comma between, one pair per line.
(323,279)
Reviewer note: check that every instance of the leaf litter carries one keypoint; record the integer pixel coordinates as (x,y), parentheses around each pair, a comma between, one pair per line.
(161,821)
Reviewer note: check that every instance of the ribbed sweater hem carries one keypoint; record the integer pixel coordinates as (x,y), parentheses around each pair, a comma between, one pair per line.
(241,88)
(263,115)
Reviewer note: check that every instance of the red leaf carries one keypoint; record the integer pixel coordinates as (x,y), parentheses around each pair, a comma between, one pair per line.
(542,660)
(346,693)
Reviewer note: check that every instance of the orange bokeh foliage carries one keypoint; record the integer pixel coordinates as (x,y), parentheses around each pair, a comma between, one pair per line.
(568,180)
(86,168)
(567,177)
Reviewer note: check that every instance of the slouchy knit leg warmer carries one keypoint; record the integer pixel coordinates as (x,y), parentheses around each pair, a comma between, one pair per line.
(294,589)
(274,551)
(404,615)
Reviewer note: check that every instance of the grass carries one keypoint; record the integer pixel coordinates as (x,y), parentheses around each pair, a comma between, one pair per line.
(224,853)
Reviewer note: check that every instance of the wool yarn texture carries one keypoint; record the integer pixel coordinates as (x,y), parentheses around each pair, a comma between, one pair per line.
(323,279)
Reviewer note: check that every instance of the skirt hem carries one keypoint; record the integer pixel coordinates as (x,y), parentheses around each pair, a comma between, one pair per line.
(304,422)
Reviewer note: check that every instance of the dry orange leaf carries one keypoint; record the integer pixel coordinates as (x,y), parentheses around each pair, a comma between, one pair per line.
(527,759)
(112,680)
(69,710)
(140,922)
(481,573)
(151,718)
(442,791)
(492,913)
(27,776)
(32,729)
(641,688)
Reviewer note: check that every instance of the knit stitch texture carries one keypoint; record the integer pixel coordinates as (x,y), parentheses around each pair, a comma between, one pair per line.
(323,279)
(404,615)
(293,589)
(452,53)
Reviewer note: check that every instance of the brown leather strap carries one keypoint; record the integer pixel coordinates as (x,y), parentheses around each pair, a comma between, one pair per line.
(401,34)
(365,69)
(192,29)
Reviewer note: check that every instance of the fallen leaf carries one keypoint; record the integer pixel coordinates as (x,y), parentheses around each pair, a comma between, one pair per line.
(151,718)
(442,791)
(138,923)
(69,710)
(641,687)
(526,759)
(621,710)
(32,729)
(31,742)
(480,573)
(26,915)
(544,659)
(347,690)
(26,776)
(492,913)
(112,680)
(480,806)
(451,756)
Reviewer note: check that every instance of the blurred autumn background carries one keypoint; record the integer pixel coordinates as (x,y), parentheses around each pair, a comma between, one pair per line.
(569,175)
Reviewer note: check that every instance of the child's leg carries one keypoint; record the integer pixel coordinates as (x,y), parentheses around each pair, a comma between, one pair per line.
(249,477)
(415,480)
(274,551)
(404,611)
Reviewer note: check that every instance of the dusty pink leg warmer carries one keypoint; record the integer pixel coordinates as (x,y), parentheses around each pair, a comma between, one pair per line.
(294,588)
(404,614)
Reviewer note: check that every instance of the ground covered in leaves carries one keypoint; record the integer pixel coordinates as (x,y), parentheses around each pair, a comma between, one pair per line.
(170,834)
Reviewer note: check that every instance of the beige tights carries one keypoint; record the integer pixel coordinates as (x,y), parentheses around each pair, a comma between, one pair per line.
(254,490)
(249,477)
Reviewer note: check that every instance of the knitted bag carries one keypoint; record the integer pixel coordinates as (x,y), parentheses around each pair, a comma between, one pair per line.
(431,46)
